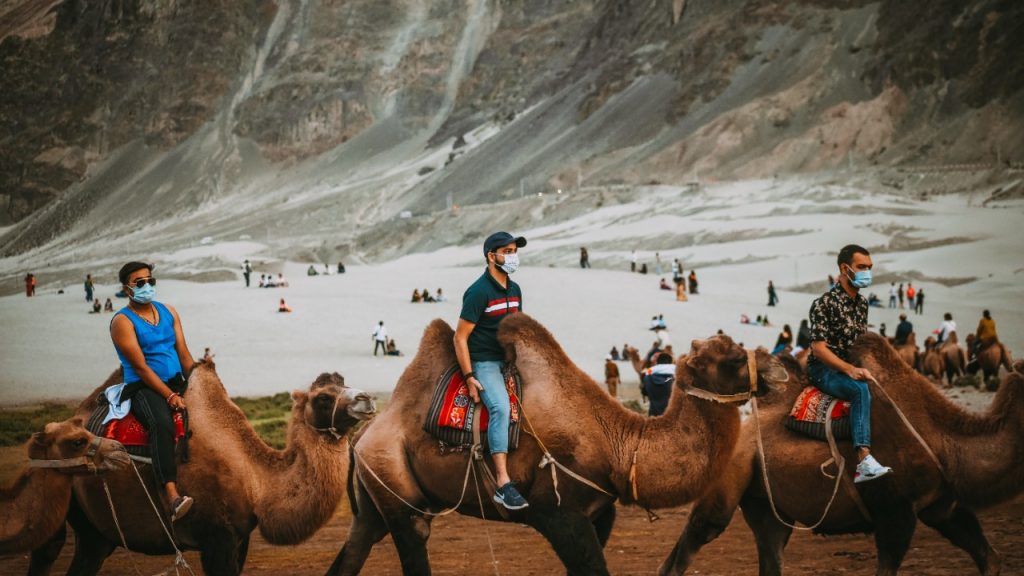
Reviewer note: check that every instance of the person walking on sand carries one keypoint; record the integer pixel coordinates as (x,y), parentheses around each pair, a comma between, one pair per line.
(611,376)
(838,318)
(88,288)
(632,262)
(911,293)
(488,301)
(30,285)
(657,263)
(584,258)
(919,301)
(892,295)
(899,293)
(772,296)
(693,282)
(380,338)
(246,271)
(155,365)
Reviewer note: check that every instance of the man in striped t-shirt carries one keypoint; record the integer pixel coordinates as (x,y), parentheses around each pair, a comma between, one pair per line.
(484,305)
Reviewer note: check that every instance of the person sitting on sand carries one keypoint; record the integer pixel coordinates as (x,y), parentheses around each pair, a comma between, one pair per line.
(664,285)
(263,281)
(341,268)
(108,306)
(615,354)
(784,340)
(440,296)
(271,283)
(96,307)
(281,281)
(744,319)
(392,350)
(311,271)
(416,297)
(426,296)
(155,365)
(283,306)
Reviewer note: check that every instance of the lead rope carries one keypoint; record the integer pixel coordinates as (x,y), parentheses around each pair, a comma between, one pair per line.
(179,558)
(361,464)
(487,530)
(913,431)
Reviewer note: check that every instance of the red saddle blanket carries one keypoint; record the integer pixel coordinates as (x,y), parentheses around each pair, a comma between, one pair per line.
(450,413)
(130,432)
(457,406)
(811,406)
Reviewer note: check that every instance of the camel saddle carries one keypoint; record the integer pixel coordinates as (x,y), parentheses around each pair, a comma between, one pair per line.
(451,411)
(811,410)
(131,433)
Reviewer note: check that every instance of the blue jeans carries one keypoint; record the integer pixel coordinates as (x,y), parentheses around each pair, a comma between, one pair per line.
(835,383)
(495,397)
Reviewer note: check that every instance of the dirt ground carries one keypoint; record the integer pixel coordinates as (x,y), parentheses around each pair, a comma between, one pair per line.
(459,545)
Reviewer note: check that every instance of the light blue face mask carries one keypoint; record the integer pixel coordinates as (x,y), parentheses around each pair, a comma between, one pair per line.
(145,294)
(511,263)
(861,279)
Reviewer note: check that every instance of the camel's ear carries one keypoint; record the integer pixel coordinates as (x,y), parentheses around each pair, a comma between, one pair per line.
(41,439)
(77,421)
(300,397)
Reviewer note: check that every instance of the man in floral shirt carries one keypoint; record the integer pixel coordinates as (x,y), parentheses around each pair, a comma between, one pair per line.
(838,318)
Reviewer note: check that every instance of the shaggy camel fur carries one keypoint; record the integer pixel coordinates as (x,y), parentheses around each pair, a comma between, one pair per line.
(933,363)
(33,507)
(989,359)
(982,458)
(677,455)
(237,481)
(954,356)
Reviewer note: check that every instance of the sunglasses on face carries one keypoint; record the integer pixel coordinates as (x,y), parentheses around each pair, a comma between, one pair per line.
(140,282)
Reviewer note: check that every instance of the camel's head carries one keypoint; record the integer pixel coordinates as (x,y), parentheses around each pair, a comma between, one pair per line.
(719,366)
(332,407)
(69,448)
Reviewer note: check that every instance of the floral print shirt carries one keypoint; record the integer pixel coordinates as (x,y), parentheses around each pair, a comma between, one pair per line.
(838,320)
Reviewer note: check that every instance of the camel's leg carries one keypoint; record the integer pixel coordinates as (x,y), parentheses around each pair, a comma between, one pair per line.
(894,521)
(573,538)
(243,552)
(410,535)
(219,554)
(603,524)
(44,556)
(708,519)
(771,535)
(964,531)
(91,547)
(367,529)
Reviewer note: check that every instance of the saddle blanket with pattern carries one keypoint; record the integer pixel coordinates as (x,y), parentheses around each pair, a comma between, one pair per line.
(450,414)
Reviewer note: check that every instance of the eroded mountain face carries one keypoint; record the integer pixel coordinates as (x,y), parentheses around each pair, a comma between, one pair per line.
(183,104)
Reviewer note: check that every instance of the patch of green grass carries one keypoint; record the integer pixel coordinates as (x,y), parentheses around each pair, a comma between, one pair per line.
(18,424)
(265,407)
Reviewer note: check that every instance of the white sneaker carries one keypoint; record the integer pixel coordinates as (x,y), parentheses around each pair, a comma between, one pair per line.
(870,469)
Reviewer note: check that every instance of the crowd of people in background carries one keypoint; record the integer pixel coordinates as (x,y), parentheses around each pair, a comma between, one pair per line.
(425,296)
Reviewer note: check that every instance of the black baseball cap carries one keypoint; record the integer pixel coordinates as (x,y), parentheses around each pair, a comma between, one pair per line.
(499,239)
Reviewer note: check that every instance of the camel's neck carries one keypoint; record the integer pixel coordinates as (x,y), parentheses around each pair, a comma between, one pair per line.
(33,509)
(984,454)
(297,492)
(679,453)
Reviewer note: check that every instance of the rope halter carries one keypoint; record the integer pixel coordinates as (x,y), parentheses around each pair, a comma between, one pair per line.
(87,461)
(731,398)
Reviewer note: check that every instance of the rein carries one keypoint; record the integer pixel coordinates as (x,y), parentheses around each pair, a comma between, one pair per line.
(87,460)
(332,429)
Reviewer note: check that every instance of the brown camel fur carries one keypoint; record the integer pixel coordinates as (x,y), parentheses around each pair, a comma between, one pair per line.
(677,454)
(933,363)
(982,457)
(908,351)
(956,360)
(33,507)
(988,360)
(238,482)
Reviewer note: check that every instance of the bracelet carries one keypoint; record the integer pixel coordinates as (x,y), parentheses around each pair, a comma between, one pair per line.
(170,396)
(469,375)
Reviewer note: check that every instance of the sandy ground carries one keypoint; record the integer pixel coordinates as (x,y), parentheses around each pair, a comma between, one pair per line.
(459,545)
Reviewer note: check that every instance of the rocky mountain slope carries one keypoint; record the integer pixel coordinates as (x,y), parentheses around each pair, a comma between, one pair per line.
(127,125)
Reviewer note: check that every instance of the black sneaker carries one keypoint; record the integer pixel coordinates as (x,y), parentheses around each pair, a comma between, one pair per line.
(510,498)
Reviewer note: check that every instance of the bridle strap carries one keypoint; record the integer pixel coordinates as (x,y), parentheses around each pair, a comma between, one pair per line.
(332,429)
(86,460)
(731,398)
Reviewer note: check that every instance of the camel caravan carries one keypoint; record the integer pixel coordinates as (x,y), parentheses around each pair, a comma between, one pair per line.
(491,419)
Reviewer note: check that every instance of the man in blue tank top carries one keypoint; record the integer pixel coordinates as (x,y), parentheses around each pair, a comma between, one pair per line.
(155,363)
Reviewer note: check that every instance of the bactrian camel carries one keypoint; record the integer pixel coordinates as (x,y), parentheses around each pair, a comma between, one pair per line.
(981,457)
(238,481)
(676,454)
(988,360)
(33,507)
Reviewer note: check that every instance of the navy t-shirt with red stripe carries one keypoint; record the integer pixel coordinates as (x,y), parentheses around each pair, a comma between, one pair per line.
(486,304)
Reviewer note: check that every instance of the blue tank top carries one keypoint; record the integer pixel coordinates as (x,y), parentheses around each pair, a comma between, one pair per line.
(157,343)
